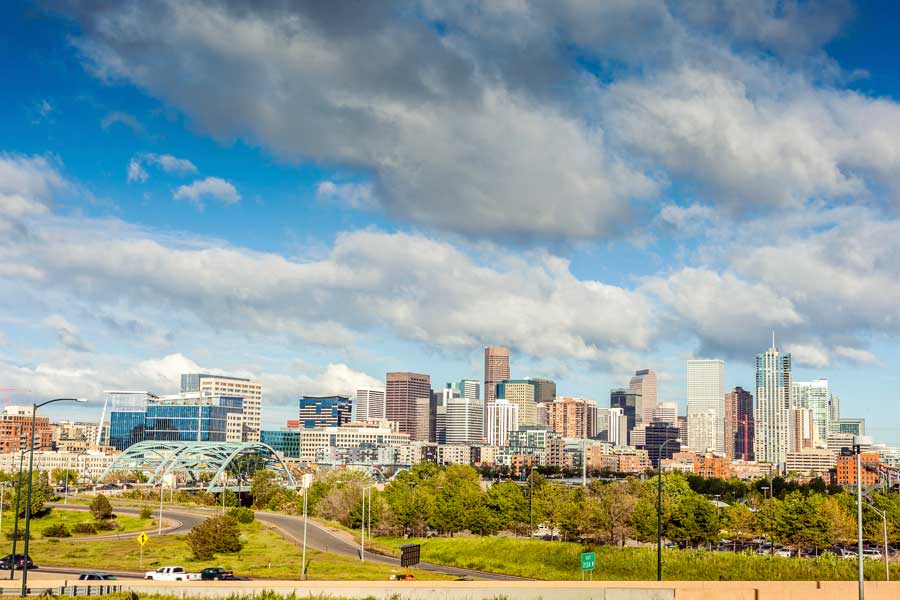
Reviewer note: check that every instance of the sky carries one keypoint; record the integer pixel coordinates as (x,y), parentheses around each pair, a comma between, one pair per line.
(312,194)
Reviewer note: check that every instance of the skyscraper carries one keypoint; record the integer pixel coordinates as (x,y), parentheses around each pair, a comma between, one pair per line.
(573,417)
(706,404)
(522,393)
(467,388)
(814,396)
(801,429)
(773,401)
(370,404)
(503,417)
(644,382)
(220,385)
(657,442)
(496,368)
(739,424)
(546,389)
(465,421)
(626,399)
(407,399)
(666,412)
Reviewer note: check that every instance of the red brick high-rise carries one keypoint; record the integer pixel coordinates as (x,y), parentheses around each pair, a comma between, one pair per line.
(739,424)
(407,397)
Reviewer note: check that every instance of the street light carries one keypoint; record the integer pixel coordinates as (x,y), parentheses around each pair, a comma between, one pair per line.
(764,488)
(12,564)
(858,442)
(659,506)
(883,515)
(34,408)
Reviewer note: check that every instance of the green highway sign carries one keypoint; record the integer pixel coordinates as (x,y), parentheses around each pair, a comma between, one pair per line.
(587,561)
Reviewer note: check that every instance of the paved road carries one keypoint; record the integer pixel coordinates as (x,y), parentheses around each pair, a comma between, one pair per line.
(184,520)
(319,538)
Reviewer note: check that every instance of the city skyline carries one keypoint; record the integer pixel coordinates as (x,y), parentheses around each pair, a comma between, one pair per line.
(594,200)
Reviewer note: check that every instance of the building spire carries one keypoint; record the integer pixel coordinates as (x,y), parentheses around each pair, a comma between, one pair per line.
(773,339)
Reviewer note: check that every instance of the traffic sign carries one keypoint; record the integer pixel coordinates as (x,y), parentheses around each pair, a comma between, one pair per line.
(587,561)
(142,538)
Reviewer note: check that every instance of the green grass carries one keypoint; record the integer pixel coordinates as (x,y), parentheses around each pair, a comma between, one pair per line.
(266,554)
(561,561)
(130,523)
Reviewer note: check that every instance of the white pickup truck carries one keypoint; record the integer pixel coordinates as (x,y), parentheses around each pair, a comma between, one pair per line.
(172,574)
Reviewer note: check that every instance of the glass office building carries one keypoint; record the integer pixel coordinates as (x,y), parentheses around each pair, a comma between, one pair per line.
(190,419)
(285,441)
(126,428)
(324,411)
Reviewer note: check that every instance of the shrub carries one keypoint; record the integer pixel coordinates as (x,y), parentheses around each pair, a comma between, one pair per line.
(57,531)
(101,508)
(106,525)
(146,512)
(242,515)
(84,527)
(216,534)
(21,534)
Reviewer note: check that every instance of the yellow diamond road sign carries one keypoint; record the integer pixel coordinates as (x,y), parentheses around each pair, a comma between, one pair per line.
(142,538)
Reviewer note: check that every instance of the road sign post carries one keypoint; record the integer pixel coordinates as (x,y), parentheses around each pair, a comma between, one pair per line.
(142,539)
(409,557)
(588,559)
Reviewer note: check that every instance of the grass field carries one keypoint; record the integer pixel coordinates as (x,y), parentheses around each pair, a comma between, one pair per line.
(130,523)
(266,554)
(561,561)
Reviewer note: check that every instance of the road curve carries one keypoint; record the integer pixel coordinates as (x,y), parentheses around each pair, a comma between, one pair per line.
(184,520)
(319,538)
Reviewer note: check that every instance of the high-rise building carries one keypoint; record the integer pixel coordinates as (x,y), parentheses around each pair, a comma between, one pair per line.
(465,421)
(370,404)
(706,405)
(467,388)
(644,382)
(814,396)
(773,401)
(15,430)
(231,387)
(496,368)
(657,444)
(546,389)
(190,417)
(739,424)
(626,399)
(522,393)
(851,426)
(127,410)
(286,441)
(503,417)
(834,408)
(324,411)
(612,426)
(801,430)
(573,417)
(408,398)
(666,412)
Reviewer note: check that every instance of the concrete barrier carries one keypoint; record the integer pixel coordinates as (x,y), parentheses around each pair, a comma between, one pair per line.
(525,590)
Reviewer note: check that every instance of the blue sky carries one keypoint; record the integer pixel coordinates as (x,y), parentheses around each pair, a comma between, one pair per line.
(314,197)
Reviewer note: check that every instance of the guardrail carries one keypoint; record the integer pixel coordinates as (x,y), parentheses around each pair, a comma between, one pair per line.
(74,590)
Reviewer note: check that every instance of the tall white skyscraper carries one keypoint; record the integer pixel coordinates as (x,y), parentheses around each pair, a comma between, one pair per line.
(706,404)
(370,404)
(666,412)
(644,382)
(813,395)
(467,388)
(503,417)
(465,421)
(773,403)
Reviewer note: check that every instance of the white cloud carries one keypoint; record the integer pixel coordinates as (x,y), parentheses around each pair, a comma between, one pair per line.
(808,355)
(856,355)
(69,335)
(136,172)
(125,119)
(350,195)
(210,187)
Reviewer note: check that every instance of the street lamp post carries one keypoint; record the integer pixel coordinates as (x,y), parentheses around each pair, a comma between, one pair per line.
(34,408)
(887,567)
(858,442)
(659,506)
(12,566)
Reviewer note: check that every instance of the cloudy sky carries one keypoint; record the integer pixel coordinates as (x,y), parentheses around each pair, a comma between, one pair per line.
(312,194)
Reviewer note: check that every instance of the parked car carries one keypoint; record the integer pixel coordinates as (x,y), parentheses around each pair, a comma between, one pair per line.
(216,574)
(96,577)
(7,562)
(171,574)
(783,552)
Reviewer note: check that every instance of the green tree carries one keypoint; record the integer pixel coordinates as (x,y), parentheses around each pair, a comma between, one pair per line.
(59,476)
(41,493)
(738,521)
(611,508)
(101,508)
(215,535)
(692,521)
(264,489)
(800,521)
(509,504)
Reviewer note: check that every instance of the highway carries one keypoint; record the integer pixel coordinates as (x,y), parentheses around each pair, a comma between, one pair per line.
(291,527)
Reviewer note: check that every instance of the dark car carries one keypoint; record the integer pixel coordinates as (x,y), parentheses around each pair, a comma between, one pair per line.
(7,562)
(216,574)
(96,577)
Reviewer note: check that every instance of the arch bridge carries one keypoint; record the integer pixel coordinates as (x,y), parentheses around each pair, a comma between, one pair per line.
(215,466)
